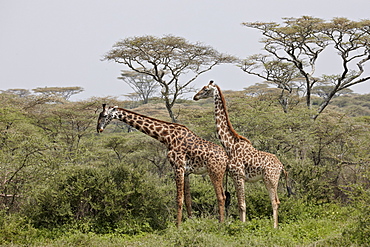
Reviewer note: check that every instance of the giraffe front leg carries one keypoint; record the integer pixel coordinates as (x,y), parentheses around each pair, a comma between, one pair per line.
(179,174)
(177,162)
(187,196)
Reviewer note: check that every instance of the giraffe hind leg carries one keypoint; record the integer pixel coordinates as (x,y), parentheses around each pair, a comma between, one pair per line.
(271,184)
(187,196)
(239,186)
(275,205)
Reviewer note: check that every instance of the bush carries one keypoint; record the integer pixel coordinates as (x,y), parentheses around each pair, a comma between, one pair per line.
(101,200)
(204,202)
(359,232)
(15,228)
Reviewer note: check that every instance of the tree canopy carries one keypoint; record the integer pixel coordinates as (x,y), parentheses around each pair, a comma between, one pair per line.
(143,85)
(173,62)
(62,92)
(294,47)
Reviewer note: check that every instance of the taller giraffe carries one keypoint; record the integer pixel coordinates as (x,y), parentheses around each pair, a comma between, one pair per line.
(187,153)
(246,162)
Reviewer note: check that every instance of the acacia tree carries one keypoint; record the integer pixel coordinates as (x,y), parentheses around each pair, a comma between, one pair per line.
(298,42)
(62,92)
(171,61)
(143,85)
(278,73)
(18,91)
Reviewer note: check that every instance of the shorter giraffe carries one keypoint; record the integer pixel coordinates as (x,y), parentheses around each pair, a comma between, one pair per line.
(246,162)
(187,153)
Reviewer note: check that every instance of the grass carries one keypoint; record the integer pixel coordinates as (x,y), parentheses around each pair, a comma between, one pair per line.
(323,230)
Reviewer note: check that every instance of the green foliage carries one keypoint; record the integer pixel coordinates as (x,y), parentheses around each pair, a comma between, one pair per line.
(101,200)
(22,145)
(256,232)
(61,184)
(204,202)
(359,231)
(14,229)
(324,229)
(200,120)
(353,105)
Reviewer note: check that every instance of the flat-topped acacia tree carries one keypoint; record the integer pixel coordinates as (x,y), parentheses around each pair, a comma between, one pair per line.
(171,61)
(293,49)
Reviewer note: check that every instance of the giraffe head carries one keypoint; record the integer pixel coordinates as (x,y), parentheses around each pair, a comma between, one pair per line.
(106,116)
(206,92)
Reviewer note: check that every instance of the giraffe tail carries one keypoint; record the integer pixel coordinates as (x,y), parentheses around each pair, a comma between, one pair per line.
(288,188)
(227,200)
(227,195)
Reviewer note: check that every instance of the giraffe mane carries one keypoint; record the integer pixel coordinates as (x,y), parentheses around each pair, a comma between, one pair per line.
(223,100)
(151,118)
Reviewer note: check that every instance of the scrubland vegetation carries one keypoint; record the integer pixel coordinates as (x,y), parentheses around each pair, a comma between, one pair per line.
(62,184)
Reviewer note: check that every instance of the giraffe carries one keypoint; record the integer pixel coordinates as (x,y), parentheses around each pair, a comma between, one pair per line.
(187,153)
(246,163)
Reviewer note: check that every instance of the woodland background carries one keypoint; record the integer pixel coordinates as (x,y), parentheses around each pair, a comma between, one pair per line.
(62,184)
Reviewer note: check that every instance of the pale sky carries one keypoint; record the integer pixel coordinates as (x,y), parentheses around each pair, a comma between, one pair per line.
(61,43)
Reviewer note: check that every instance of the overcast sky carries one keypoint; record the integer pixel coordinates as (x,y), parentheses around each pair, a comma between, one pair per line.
(61,43)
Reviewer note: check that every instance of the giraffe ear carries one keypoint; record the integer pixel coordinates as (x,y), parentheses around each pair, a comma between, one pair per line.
(113,108)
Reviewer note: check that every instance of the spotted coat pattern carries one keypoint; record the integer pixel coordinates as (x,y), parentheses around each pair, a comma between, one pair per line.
(187,153)
(246,162)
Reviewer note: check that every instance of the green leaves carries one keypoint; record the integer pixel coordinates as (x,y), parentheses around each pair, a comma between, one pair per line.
(59,179)
(100,199)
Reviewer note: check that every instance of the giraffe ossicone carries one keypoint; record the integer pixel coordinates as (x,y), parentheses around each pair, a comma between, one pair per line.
(187,153)
(246,162)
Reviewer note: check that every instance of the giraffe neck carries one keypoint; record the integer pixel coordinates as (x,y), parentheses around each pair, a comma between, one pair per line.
(158,129)
(227,135)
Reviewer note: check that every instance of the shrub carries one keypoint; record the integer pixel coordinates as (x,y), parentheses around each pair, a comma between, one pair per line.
(101,200)
(359,232)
